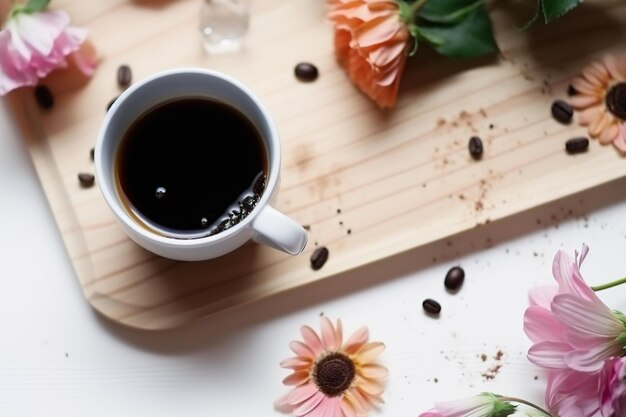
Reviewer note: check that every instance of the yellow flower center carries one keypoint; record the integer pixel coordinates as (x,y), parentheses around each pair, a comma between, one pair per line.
(334,373)
(616,100)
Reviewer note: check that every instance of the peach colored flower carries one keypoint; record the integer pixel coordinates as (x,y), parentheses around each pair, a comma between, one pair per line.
(601,100)
(371,43)
(332,378)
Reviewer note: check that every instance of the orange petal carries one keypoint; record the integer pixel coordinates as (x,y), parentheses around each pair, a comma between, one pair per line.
(373,370)
(385,55)
(581,101)
(585,87)
(347,407)
(377,31)
(609,133)
(597,74)
(369,352)
(339,332)
(587,116)
(369,386)
(599,124)
(296,363)
(358,339)
(612,65)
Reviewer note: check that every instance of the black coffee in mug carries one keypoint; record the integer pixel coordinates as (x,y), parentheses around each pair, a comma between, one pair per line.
(191,167)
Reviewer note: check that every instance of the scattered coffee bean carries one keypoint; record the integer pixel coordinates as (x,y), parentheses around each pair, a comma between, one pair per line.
(431,306)
(124,76)
(454,278)
(111,103)
(475,146)
(562,111)
(306,72)
(92,153)
(571,90)
(577,145)
(86,180)
(44,97)
(319,257)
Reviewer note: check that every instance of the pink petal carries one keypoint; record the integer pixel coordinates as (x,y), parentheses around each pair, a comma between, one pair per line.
(329,338)
(11,74)
(329,408)
(358,339)
(339,333)
(309,405)
(296,363)
(567,275)
(589,115)
(542,296)
(347,407)
(609,134)
(592,360)
(585,87)
(581,101)
(541,325)
(549,354)
(39,31)
(588,316)
(301,349)
(312,340)
(296,378)
(620,140)
(612,65)
(301,394)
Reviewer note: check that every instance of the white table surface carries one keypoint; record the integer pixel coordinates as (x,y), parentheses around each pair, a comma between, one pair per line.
(59,358)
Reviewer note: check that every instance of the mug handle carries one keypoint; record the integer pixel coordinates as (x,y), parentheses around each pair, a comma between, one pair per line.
(273,228)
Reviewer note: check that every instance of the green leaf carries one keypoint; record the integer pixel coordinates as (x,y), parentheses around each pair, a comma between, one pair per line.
(448,11)
(469,38)
(36,5)
(557,8)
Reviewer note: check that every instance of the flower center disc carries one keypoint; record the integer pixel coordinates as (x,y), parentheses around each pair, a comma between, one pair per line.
(616,100)
(333,374)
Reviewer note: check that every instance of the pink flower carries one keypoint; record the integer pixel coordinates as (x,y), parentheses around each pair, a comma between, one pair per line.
(332,378)
(573,393)
(34,44)
(571,328)
(483,405)
(613,388)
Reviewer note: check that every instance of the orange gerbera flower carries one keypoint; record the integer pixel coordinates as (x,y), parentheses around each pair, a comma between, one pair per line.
(601,99)
(371,43)
(333,378)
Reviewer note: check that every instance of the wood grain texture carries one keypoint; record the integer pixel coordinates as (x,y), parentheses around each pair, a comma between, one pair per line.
(369,183)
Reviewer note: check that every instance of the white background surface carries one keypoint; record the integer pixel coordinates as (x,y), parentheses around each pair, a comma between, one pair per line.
(59,358)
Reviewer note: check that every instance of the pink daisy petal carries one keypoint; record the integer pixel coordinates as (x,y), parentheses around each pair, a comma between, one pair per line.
(592,360)
(581,101)
(339,332)
(591,317)
(347,408)
(301,394)
(609,134)
(542,296)
(296,363)
(329,338)
(549,354)
(358,339)
(312,340)
(330,407)
(585,87)
(589,115)
(613,66)
(309,405)
(541,325)
(301,349)
(296,378)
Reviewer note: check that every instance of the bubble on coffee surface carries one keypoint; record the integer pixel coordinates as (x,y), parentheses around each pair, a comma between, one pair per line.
(160,192)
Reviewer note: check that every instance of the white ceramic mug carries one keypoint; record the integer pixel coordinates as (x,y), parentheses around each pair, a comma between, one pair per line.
(264,224)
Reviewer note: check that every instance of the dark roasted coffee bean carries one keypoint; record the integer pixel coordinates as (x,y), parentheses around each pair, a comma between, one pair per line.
(124,76)
(562,111)
(577,145)
(306,72)
(431,306)
(44,97)
(111,103)
(319,257)
(571,90)
(475,146)
(454,278)
(92,153)
(86,180)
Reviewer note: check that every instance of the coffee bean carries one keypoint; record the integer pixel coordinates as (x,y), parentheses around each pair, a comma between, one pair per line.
(319,257)
(577,145)
(92,153)
(571,90)
(124,76)
(44,97)
(475,146)
(306,72)
(562,111)
(111,103)
(431,306)
(86,180)
(454,278)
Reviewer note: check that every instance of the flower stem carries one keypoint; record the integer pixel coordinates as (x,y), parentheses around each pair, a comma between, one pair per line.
(528,403)
(417,5)
(609,284)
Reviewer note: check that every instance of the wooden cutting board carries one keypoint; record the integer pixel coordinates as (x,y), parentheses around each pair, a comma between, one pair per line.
(370,184)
